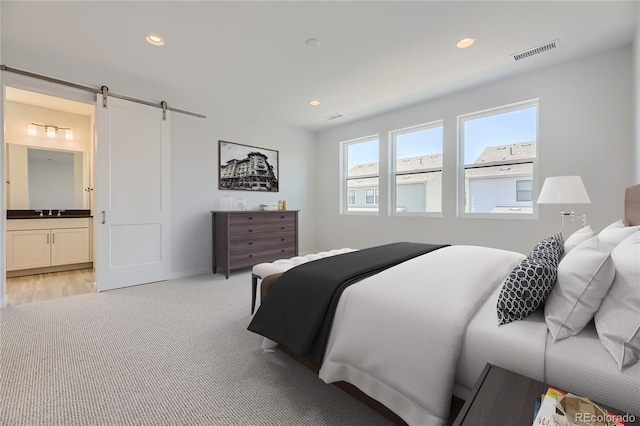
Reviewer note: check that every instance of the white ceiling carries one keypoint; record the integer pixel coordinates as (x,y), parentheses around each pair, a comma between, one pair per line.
(372,57)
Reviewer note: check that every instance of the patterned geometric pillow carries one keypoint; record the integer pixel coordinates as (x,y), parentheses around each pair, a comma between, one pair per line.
(529,284)
(550,250)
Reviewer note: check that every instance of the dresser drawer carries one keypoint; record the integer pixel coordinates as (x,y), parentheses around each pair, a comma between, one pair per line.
(240,260)
(246,218)
(280,217)
(258,243)
(247,229)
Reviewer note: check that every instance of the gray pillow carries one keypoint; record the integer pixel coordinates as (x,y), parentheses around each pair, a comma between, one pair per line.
(585,275)
(618,318)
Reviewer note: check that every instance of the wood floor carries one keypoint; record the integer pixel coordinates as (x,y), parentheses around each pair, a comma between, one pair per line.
(52,285)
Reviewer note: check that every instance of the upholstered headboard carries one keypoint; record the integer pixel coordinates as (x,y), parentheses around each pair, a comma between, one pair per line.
(632,205)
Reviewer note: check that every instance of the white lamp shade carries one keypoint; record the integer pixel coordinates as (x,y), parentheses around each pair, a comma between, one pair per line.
(563,190)
(32,130)
(68,134)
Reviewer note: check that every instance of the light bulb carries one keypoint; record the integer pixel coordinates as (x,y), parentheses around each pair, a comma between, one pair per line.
(51,132)
(68,134)
(32,130)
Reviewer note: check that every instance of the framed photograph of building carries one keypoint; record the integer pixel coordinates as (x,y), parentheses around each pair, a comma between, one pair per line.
(247,168)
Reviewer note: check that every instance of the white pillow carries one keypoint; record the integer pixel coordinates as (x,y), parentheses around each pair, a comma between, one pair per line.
(618,318)
(613,234)
(578,237)
(584,277)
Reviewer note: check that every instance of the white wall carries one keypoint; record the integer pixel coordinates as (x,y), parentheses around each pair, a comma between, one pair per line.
(194,159)
(636,73)
(585,128)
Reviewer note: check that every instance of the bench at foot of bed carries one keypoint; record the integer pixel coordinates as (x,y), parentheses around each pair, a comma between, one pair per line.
(279,266)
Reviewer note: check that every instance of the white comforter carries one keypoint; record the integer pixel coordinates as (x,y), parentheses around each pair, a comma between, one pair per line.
(408,361)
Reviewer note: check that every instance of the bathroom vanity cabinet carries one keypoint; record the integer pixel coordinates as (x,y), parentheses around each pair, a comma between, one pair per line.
(48,242)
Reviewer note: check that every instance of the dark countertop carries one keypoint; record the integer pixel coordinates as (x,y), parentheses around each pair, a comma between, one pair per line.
(32,214)
(66,216)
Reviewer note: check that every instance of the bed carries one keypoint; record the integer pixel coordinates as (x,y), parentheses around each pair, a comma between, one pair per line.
(413,334)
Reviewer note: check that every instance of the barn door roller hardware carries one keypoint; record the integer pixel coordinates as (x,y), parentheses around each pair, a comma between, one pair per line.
(104,90)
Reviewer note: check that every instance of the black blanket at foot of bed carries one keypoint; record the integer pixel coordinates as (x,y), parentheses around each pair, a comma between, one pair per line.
(298,310)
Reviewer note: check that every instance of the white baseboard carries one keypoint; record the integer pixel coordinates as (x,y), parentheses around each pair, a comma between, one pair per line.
(3,303)
(191,273)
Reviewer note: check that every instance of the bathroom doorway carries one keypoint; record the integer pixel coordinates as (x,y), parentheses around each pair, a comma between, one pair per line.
(49,150)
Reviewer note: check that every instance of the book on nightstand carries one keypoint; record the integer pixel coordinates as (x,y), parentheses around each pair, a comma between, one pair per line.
(546,413)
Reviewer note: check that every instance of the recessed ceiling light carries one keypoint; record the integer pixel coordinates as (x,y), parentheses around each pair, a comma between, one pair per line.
(465,42)
(314,103)
(155,39)
(312,42)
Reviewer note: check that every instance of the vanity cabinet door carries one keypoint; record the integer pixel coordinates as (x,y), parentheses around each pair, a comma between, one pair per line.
(69,246)
(28,249)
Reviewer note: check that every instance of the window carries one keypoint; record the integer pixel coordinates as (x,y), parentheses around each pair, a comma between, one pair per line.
(360,164)
(372,195)
(352,196)
(498,155)
(417,169)
(524,189)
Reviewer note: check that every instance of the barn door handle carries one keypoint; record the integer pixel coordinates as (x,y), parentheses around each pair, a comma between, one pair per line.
(104,217)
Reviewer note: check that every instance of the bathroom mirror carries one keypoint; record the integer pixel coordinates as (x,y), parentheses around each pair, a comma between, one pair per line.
(46,179)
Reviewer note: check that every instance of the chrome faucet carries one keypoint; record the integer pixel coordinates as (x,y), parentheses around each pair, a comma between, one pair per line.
(50,214)
(39,211)
(60,212)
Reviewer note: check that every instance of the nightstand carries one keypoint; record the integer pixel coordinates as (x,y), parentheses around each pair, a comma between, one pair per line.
(503,398)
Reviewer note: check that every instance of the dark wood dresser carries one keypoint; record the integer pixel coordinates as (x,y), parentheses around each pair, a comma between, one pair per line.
(242,239)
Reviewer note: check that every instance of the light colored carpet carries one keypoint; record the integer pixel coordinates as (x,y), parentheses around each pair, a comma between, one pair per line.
(169,353)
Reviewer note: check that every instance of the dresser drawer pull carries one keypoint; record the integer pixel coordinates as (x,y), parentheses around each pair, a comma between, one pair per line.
(282,251)
(282,228)
(250,243)
(250,230)
(282,239)
(250,255)
(250,218)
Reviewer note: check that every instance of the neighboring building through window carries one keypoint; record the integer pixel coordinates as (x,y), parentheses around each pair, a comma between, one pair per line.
(417,169)
(361,175)
(498,163)
(524,190)
(372,196)
(352,196)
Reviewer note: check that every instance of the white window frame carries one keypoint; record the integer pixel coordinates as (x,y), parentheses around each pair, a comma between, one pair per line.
(394,173)
(461,165)
(344,171)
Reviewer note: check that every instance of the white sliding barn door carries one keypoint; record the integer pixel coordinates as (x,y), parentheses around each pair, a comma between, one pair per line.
(132,193)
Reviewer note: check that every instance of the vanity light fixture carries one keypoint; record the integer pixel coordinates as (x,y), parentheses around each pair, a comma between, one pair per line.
(51,130)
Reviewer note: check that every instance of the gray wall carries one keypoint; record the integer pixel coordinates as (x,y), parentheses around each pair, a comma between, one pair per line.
(585,128)
(194,156)
(636,73)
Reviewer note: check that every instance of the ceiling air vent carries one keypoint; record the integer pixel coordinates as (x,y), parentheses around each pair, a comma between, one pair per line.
(540,49)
